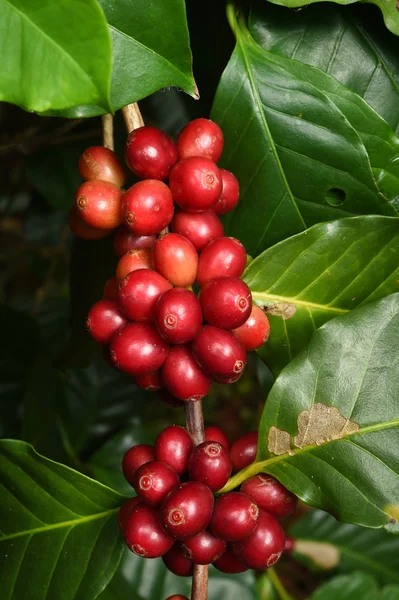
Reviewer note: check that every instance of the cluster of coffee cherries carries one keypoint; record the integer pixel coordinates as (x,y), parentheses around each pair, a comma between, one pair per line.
(150,322)
(177,516)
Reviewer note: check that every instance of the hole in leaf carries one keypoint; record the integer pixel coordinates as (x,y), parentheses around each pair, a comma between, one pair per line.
(335,197)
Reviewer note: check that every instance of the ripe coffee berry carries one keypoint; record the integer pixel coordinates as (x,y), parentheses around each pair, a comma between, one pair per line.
(234,517)
(200,137)
(132,261)
(204,548)
(139,292)
(177,597)
(150,381)
(111,288)
(219,353)
(174,446)
(243,451)
(264,546)
(183,377)
(137,348)
(210,463)
(150,153)
(226,302)
(228,563)
(125,240)
(289,545)
(223,257)
(126,510)
(178,316)
(176,259)
(200,228)
(134,458)
(104,320)
(268,493)
(177,562)
(215,434)
(230,193)
(102,163)
(196,183)
(147,207)
(187,510)
(144,534)
(153,480)
(99,204)
(255,331)
(81,229)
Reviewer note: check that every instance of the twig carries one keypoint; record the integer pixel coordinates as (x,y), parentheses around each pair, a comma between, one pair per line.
(132,116)
(108,131)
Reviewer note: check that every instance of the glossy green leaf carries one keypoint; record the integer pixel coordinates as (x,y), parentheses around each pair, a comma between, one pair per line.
(320,274)
(54,54)
(330,428)
(59,531)
(353,587)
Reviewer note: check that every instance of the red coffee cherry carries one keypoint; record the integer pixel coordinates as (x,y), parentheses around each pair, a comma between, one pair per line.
(215,434)
(104,320)
(226,302)
(230,193)
(224,257)
(178,316)
(139,292)
(153,480)
(262,549)
(228,563)
(125,240)
(183,377)
(137,348)
(187,510)
(255,331)
(132,261)
(210,463)
(102,163)
(268,493)
(289,545)
(150,153)
(150,381)
(143,533)
(82,230)
(177,597)
(219,353)
(174,446)
(195,183)
(200,228)
(234,517)
(111,288)
(200,137)
(169,399)
(134,458)
(204,548)
(176,259)
(99,204)
(243,451)
(126,510)
(147,207)
(177,562)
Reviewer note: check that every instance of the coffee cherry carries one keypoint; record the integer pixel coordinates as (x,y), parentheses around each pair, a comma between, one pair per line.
(104,320)
(82,230)
(200,228)
(99,204)
(139,292)
(132,261)
(226,302)
(204,548)
(255,331)
(182,375)
(234,517)
(137,348)
(228,563)
(195,183)
(111,288)
(169,399)
(262,549)
(177,597)
(219,353)
(187,510)
(150,381)
(210,463)
(230,193)
(134,458)
(126,510)
(143,533)
(289,545)
(125,240)
(243,451)
(178,316)
(147,207)
(176,259)
(268,493)
(215,434)
(200,137)
(223,257)
(153,480)
(177,562)
(102,163)
(150,153)
(174,446)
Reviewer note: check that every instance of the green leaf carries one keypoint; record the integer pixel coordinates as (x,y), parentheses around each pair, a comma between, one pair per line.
(329,429)
(320,274)
(353,587)
(54,54)
(59,531)
(348,547)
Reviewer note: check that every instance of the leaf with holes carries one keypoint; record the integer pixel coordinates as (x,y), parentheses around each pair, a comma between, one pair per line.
(59,531)
(330,428)
(319,274)
(355,586)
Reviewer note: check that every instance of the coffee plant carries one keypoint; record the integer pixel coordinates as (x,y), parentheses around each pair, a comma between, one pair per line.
(199,392)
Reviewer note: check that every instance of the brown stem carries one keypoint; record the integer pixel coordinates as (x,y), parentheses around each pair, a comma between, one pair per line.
(132,116)
(108,131)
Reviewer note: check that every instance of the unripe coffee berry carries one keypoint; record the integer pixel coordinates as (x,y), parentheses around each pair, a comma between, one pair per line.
(230,193)
(104,319)
(99,204)
(243,451)
(137,348)
(262,549)
(111,288)
(200,228)
(219,353)
(126,510)
(195,183)
(125,240)
(176,259)
(147,207)
(153,480)
(182,375)
(178,316)
(150,153)
(82,230)
(134,458)
(174,446)
(255,331)
(187,510)
(204,548)
(139,292)
(210,463)
(144,534)
(215,434)
(201,137)
(150,381)
(226,302)
(98,162)
(177,562)
(269,494)
(234,517)
(223,257)
(229,563)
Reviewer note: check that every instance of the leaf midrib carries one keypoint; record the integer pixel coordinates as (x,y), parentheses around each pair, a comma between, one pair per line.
(301,303)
